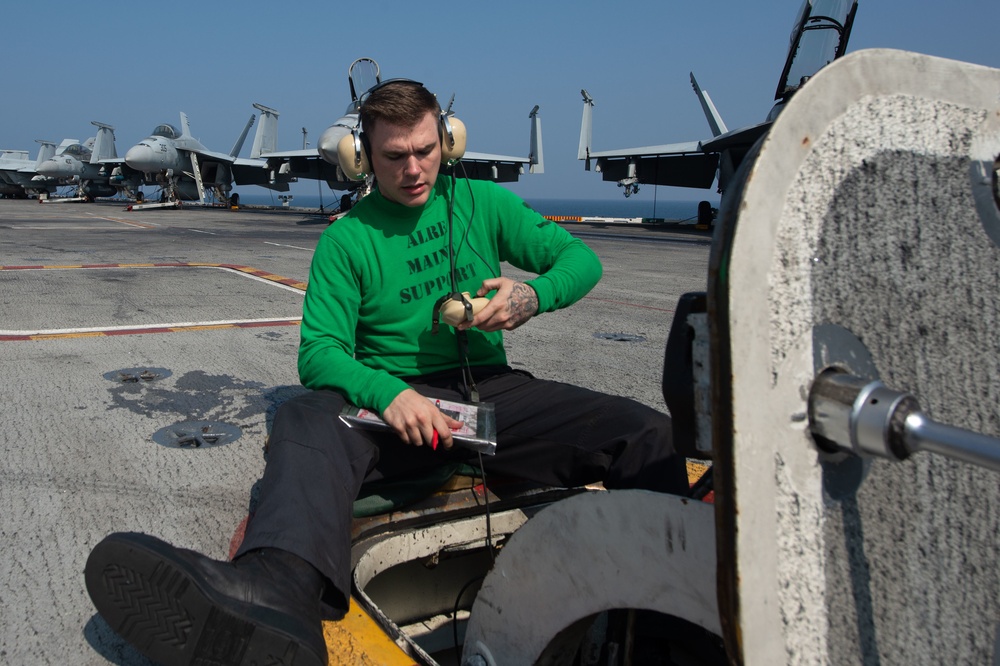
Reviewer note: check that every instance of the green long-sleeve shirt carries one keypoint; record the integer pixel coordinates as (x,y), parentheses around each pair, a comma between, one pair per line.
(378,272)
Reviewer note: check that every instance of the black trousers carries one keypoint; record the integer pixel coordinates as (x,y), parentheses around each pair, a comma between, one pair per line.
(549,432)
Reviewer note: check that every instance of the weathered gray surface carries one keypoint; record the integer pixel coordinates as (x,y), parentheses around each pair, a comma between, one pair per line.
(77,457)
(588,554)
(860,212)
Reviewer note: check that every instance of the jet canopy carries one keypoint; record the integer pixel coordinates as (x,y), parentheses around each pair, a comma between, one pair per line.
(167,131)
(363,74)
(819,36)
(76,150)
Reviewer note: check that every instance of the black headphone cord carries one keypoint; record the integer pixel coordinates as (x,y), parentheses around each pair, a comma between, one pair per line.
(461,337)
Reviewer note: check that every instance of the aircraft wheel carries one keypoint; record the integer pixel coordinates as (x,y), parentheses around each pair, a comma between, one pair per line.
(705,215)
(139,197)
(234,200)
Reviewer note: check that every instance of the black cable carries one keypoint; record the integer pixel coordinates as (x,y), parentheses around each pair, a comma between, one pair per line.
(452,253)
(486,503)
(454,617)
(489,550)
(472,214)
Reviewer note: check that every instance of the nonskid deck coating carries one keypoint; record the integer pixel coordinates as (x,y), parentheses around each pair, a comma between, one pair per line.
(78,457)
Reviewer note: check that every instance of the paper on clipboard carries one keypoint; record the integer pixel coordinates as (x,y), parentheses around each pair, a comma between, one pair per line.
(477,432)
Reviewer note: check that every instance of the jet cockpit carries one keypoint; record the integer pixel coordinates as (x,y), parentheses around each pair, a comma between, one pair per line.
(167,131)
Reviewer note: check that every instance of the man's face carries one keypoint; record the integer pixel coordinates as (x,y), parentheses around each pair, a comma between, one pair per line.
(406,160)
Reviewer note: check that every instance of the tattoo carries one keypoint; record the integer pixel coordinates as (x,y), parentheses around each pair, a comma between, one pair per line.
(522,304)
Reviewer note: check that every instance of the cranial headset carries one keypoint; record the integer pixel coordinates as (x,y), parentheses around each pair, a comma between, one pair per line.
(353,150)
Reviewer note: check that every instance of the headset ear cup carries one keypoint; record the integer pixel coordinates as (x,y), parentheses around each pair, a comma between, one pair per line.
(453,148)
(352,154)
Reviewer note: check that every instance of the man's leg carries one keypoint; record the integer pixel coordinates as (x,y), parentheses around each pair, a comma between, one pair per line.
(315,467)
(566,435)
(178,606)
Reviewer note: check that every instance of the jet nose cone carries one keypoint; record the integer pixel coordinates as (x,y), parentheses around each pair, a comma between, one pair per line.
(53,169)
(140,157)
(330,141)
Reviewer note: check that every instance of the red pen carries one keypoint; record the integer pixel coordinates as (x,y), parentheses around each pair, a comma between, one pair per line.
(434,441)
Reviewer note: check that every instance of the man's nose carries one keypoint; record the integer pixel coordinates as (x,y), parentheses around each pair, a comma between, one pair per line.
(412,164)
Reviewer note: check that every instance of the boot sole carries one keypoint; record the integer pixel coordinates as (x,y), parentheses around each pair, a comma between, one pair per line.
(151,599)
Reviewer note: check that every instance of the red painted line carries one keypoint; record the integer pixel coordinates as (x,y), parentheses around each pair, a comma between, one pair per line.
(264,275)
(249,270)
(144,331)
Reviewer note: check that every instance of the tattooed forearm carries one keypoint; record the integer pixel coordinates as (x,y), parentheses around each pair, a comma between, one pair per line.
(522,304)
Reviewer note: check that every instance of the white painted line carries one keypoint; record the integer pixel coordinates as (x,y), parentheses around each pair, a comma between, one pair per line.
(295,247)
(145,327)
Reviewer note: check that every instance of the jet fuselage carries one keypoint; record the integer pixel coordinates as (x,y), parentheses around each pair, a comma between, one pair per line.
(156,154)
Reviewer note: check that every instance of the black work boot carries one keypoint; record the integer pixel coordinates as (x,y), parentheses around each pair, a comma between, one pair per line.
(180,607)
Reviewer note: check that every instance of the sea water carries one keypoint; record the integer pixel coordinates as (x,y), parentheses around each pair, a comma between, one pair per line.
(619,207)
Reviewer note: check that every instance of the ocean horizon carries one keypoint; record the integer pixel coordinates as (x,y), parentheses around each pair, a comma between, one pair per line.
(618,207)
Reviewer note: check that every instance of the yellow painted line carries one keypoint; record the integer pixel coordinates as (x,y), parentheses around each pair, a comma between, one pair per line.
(200,327)
(358,640)
(246,270)
(49,336)
(111,331)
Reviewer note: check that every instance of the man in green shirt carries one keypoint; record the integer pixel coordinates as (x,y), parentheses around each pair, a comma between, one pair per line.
(369,338)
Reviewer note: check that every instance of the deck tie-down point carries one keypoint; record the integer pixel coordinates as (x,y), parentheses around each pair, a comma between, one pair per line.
(197,434)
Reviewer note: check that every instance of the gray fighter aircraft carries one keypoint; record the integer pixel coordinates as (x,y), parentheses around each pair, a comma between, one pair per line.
(819,35)
(322,162)
(19,177)
(184,168)
(86,166)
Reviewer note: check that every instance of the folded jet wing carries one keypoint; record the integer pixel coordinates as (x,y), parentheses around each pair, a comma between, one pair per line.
(504,168)
(819,36)
(19,176)
(185,168)
(321,163)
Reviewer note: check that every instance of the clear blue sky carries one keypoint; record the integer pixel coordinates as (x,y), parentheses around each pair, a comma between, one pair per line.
(136,64)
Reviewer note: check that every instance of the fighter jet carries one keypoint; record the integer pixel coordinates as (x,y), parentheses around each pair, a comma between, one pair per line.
(18,175)
(184,168)
(819,36)
(322,162)
(85,166)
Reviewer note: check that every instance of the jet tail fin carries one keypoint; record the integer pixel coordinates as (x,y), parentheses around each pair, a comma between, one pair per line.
(104,143)
(586,129)
(238,146)
(711,113)
(46,150)
(185,126)
(265,140)
(535,149)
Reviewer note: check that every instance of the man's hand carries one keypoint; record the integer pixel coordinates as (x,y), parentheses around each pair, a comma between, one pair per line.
(512,305)
(415,419)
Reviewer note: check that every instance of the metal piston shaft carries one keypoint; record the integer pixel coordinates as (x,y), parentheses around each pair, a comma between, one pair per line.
(864,417)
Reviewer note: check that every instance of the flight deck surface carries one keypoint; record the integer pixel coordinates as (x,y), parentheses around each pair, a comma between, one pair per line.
(123,330)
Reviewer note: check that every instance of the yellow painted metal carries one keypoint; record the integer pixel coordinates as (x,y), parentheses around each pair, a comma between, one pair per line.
(358,640)
(695,469)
